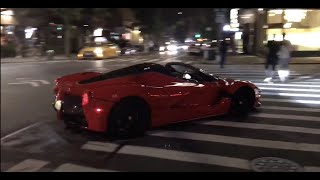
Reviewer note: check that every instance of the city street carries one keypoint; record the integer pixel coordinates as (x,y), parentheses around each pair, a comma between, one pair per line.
(286,126)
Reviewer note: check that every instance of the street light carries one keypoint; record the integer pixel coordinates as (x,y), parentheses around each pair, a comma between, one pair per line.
(179,13)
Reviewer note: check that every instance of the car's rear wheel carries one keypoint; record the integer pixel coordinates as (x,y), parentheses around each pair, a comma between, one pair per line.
(242,102)
(129,118)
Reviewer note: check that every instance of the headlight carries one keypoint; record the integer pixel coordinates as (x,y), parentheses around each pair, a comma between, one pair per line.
(58,105)
(161,48)
(257,91)
(172,47)
(98,51)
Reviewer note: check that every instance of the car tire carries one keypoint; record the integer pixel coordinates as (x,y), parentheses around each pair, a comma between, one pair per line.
(242,103)
(129,118)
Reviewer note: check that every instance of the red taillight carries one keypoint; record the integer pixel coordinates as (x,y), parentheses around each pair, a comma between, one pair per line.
(85,99)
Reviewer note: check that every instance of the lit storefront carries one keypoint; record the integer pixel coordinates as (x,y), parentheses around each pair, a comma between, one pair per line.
(301,27)
(8,23)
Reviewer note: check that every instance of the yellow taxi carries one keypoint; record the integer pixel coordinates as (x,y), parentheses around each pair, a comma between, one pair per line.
(99,51)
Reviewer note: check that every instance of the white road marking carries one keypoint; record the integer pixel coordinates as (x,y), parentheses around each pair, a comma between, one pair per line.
(288,85)
(284,116)
(306,82)
(154,60)
(251,73)
(21,130)
(263,127)
(28,165)
(290,108)
(42,81)
(68,167)
(34,84)
(175,155)
(239,141)
(290,89)
(291,94)
(291,101)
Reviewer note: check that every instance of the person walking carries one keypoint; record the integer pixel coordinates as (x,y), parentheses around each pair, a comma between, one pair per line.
(272,59)
(223,52)
(284,55)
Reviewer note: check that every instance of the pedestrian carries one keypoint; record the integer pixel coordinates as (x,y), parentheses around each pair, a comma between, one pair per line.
(284,55)
(223,52)
(272,59)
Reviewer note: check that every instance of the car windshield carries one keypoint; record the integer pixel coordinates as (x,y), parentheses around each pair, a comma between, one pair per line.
(131,70)
(189,73)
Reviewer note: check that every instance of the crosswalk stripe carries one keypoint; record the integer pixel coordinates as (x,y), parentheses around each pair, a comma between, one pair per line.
(290,89)
(290,108)
(249,73)
(239,141)
(177,155)
(69,167)
(300,101)
(288,85)
(312,169)
(305,82)
(291,94)
(153,60)
(28,165)
(284,116)
(263,127)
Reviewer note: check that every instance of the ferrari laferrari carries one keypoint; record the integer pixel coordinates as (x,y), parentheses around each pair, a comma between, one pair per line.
(131,100)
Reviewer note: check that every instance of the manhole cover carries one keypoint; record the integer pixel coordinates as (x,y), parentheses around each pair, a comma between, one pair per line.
(274,164)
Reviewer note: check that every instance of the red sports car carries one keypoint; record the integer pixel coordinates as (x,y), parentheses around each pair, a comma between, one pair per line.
(131,100)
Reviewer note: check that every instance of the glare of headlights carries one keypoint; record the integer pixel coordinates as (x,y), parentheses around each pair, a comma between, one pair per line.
(172,47)
(98,51)
(185,47)
(161,48)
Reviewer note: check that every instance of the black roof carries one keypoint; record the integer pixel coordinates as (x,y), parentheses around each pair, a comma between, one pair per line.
(131,70)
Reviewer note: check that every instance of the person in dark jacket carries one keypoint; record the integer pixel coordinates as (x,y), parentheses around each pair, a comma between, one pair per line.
(272,58)
(223,52)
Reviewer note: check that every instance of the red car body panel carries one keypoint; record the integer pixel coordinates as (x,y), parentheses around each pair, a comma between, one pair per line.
(170,99)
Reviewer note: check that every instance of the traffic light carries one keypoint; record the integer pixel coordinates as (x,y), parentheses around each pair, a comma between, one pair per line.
(59,28)
(197,36)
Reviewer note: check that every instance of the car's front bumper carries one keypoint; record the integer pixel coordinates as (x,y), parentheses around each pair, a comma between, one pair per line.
(86,117)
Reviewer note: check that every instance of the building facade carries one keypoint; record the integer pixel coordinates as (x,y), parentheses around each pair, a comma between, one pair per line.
(257,26)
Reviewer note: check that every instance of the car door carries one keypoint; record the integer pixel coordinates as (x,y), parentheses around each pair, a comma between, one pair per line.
(190,100)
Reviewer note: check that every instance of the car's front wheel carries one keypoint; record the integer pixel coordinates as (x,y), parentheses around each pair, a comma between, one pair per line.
(129,118)
(242,102)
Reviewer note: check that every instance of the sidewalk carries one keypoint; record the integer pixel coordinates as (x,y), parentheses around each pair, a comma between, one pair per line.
(36,59)
(242,59)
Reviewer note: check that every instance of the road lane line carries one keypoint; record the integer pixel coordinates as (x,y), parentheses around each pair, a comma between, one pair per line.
(290,89)
(290,108)
(69,167)
(284,116)
(28,165)
(18,131)
(262,127)
(299,101)
(175,155)
(239,141)
(306,82)
(288,85)
(34,84)
(291,94)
